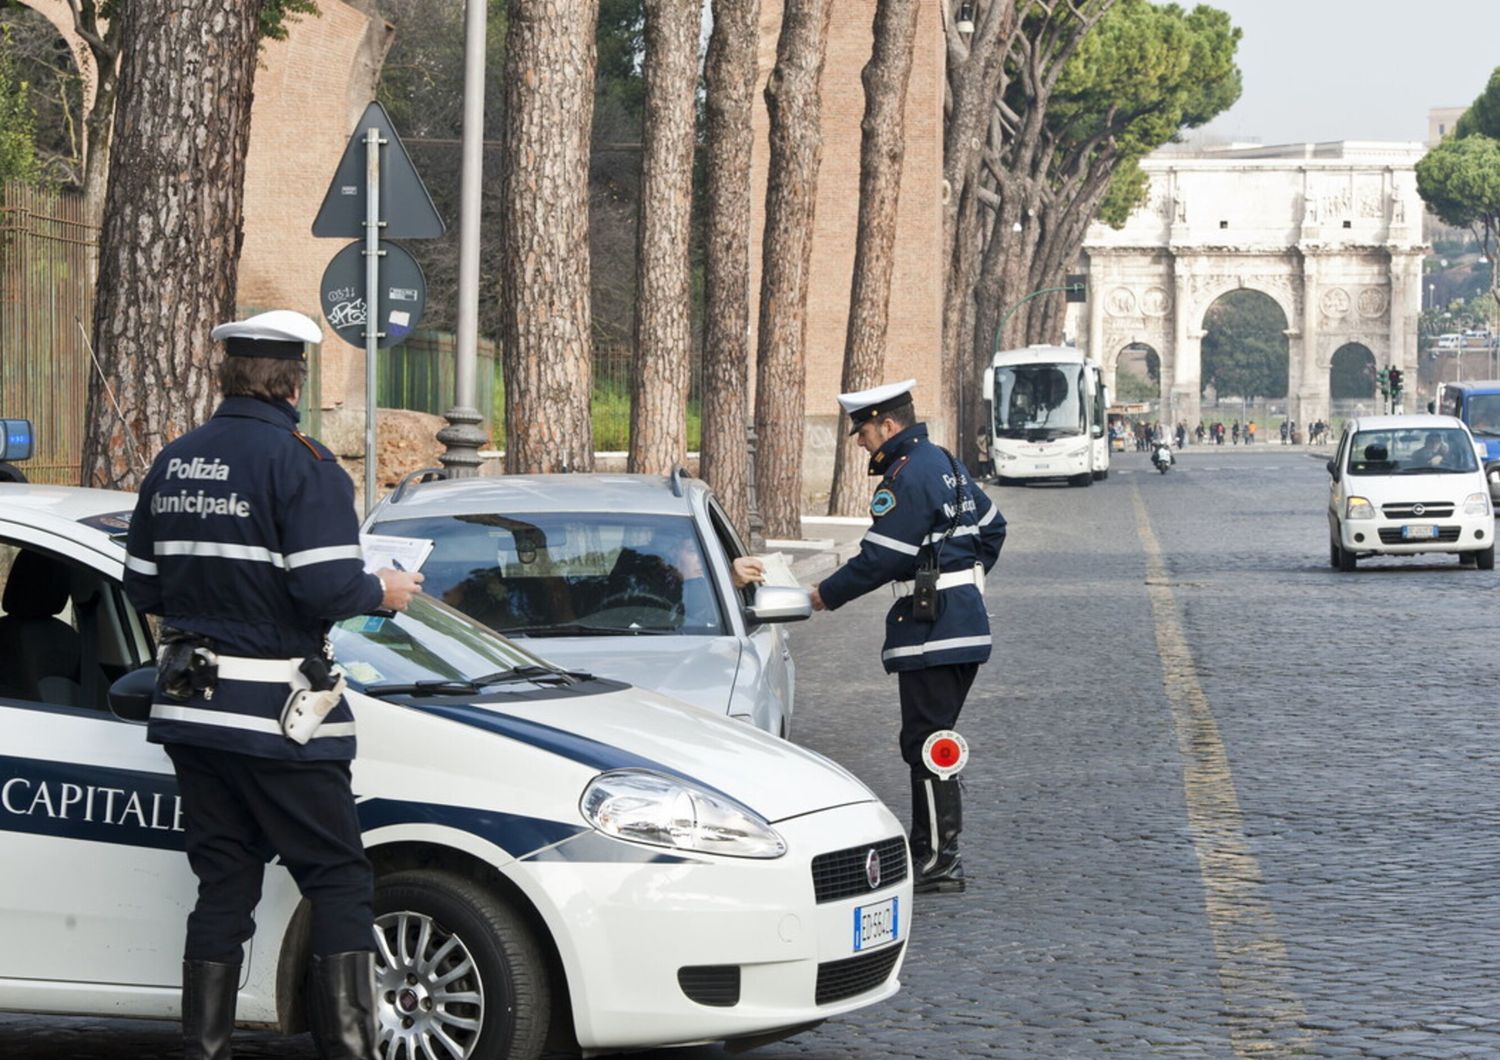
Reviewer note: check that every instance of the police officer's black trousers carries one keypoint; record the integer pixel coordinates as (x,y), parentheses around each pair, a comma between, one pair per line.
(238,812)
(931,699)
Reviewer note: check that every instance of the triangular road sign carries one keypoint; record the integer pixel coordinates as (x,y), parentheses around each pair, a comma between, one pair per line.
(405,206)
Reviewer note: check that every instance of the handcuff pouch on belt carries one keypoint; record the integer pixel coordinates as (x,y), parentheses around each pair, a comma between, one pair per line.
(186,665)
(926,604)
(306,708)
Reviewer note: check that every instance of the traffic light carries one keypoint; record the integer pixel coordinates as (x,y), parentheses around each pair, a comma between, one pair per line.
(1384,375)
(1395,378)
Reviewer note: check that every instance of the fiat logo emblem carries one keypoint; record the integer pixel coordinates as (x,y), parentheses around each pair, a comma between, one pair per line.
(1419,509)
(872,868)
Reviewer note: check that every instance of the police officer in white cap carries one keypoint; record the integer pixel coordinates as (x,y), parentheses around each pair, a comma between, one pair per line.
(936,534)
(246,543)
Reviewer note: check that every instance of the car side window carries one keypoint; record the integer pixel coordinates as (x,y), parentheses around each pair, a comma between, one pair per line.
(66,629)
(732,545)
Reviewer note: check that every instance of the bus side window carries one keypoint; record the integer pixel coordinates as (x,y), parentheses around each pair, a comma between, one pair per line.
(1450,403)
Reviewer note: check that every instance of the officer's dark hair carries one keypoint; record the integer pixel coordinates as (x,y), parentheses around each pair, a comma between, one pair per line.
(902,416)
(272,378)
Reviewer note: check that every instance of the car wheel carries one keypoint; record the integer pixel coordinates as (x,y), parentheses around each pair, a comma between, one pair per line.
(1347,560)
(458,973)
(1335,554)
(1485,557)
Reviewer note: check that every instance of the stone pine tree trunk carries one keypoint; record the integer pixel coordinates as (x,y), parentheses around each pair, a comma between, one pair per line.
(658,413)
(170,243)
(882,150)
(544,265)
(794,104)
(729,97)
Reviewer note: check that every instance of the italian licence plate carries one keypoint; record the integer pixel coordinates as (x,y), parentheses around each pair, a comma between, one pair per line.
(875,925)
(1419,533)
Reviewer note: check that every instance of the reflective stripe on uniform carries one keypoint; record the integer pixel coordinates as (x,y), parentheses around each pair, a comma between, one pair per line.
(935,646)
(892,544)
(219,550)
(224,720)
(140,566)
(988,516)
(967,530)
(310,556)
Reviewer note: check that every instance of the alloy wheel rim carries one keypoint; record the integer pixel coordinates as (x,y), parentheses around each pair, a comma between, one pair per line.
(429,992)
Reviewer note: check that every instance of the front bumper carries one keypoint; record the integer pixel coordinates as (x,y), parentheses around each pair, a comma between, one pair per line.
(1032,464)
(1383,536)
(630,929)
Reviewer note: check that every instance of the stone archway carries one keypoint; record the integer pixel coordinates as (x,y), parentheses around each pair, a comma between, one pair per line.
(1245,349)
(1351,372)
(1330,233)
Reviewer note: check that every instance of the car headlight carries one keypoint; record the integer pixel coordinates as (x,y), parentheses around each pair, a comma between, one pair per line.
(662,811)
(1358,508)
(1477,504)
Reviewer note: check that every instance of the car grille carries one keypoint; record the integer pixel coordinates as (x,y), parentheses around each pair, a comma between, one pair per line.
(855,975)
(1391,535)
(1434,510)
(711,984)
(841,874)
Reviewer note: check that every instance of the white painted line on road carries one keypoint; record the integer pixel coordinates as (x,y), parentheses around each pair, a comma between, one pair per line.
(1265,1015)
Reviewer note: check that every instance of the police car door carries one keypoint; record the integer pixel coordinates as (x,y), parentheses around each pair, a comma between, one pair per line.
(96,888)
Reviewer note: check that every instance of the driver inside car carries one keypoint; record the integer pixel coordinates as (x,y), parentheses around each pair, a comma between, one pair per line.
(1433,452)
(667,570)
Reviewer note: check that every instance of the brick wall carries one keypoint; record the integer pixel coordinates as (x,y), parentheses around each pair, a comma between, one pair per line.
(914,338)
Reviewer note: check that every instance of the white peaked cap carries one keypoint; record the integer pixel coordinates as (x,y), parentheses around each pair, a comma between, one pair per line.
(876,395)
(279,325)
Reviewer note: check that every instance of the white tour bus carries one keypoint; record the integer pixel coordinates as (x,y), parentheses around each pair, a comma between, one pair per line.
(1047,415)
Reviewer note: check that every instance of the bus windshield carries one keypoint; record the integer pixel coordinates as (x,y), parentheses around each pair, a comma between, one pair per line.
(1483,415)
(1040,402)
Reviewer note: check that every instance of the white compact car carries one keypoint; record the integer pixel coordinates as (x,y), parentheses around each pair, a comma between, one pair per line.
(562,861)
(1407,484)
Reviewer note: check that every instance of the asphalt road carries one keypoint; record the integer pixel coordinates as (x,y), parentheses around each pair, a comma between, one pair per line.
(1224,801)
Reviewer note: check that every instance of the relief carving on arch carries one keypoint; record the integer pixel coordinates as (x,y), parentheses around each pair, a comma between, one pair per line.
(1373,302)
(1120,302)
(1155,301)
(1334,303)
(1206,290)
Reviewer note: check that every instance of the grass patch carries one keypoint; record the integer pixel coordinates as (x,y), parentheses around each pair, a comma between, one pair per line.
(610,412)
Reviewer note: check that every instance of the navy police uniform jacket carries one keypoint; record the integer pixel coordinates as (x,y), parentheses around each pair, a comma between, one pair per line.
(245,533)
(913,507)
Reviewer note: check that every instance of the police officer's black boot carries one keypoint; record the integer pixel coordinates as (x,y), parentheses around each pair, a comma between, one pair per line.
(208,996)
(921,827)
(343,1008)
(941,871)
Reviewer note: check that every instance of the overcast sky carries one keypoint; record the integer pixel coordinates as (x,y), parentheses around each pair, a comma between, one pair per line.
(1355,69)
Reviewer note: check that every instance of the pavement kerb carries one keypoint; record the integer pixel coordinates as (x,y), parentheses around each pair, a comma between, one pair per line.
(827,541)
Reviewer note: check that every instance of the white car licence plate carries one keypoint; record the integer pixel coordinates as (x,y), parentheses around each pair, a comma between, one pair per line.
(1420,533)
(875,925)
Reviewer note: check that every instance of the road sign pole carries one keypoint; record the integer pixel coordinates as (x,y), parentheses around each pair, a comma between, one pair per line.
(372,301)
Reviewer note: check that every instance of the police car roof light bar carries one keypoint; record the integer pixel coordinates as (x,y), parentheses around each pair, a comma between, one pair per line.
(16,438)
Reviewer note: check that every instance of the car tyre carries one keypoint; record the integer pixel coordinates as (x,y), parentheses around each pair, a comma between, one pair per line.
(1485,558)
(1335,554)
(421,915)
(1347,560)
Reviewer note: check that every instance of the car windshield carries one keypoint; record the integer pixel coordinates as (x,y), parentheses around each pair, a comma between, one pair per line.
(570,573)
(1039,402)
(1483,415)
(428,642)
(1432,451)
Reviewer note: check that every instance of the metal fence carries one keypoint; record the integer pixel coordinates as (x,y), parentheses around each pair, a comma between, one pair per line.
(46,309)
(419,375)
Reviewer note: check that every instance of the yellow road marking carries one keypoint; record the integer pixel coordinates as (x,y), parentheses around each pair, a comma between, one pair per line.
(1265,1015)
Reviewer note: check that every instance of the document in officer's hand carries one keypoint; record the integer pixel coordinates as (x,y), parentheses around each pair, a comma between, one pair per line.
(779,571)
(385,552)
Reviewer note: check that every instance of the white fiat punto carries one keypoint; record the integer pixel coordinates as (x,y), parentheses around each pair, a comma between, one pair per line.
(562,861)
(1407,484)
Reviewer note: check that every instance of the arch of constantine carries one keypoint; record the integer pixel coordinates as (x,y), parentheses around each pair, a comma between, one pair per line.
(1331,232)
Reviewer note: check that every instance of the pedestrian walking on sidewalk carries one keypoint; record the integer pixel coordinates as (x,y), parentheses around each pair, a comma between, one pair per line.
(936,535)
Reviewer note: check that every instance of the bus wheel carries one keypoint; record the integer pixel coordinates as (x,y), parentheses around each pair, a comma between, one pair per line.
(1100,476)
(1085,479)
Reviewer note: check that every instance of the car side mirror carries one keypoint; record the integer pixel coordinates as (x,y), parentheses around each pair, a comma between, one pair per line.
(780,603)
(130,696)
(1432,406)
(1333,469)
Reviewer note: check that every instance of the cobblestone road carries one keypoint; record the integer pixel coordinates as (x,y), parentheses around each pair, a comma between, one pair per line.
(1223,802)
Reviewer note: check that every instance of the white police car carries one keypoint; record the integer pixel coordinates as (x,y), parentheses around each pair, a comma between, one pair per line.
(561,861)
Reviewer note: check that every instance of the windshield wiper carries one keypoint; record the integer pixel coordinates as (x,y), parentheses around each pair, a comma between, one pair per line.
(451,686)
(568,629)
(529,672)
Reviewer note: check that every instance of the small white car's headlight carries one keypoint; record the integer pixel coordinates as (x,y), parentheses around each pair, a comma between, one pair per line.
(658,810)
(1477,504)
(1358,508)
